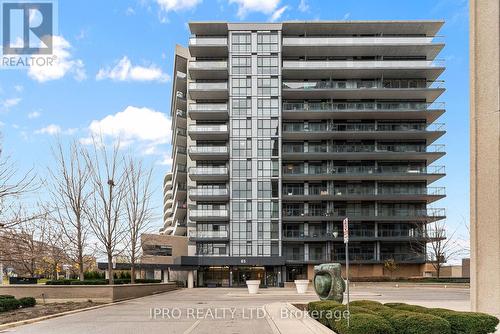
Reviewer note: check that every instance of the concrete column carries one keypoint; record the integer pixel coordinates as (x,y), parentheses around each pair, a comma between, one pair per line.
(190,284)
(485,155)
(1,273)
(165,276)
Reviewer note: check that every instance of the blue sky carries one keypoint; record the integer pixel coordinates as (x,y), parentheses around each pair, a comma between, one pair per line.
(116,59)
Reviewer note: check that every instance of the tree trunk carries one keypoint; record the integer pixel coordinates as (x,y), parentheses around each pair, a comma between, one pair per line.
(110,268)
(81,270)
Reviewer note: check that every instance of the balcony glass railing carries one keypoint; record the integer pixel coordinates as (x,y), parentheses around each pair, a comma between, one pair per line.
(208,192)
(208,107)
(208,86)
(353,64)
(208,128)
(316,170)
(362,84)
(340,212)
(208,149)
(208,65)
(355,40)
(361,106)
(208,234)
(207,41)
(200,213)
(397,148)
(354,256)
(208,170)
(402,256)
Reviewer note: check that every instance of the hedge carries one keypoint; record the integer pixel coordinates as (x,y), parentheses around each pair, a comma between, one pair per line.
(6,296)
(460,322)
(117,281)
(9,304)
(317,310)
(370,317)
(362,323)
(27,302)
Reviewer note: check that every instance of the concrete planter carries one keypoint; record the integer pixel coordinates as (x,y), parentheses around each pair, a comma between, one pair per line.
(253,286)
(301,285)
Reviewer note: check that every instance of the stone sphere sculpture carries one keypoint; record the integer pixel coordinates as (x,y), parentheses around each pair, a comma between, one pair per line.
(328,282)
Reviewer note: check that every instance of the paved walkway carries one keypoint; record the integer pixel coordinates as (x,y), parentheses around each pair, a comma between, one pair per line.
(223,311)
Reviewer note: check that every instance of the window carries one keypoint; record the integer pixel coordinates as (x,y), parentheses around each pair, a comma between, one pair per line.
(241,42)
(241,230)
(242,86)
(242,107)
(241,127)
(211,249)
(242,148)
(241,65)
(267,127)
(267,168)
(267,42)
(242,189)
(267,107)
(241,210)
(267,209)
(267,148)
(267,86)
(242,169)
(267,189)
(267,65)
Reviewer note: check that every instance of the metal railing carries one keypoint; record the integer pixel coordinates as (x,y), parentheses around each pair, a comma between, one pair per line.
(361,106)
(207,86)
(364,84)
(208,213)
(207,107)
(361,170)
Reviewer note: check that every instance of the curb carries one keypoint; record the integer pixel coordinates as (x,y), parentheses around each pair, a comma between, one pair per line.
(57,315)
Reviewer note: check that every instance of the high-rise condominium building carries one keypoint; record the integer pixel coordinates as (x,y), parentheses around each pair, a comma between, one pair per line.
(282,130)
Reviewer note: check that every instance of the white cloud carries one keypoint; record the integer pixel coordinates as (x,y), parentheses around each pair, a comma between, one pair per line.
(51,129)
(34,114)
(54,129)
(129,11)
(8,103)
(262,6)
(346,16)
(303,6)
(166,160)
(277,13)
(125,71)
(177,5)
(18,88)
(63,64)
(134,124)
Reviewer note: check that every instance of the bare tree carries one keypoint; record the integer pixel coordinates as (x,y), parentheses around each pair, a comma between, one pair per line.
(106,206)
(70,193)
(391,266)
(441,248)
(138,207)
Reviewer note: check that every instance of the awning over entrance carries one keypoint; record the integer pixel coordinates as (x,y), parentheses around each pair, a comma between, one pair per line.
(230,261)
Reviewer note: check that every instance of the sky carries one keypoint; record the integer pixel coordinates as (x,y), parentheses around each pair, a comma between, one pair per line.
(114,77)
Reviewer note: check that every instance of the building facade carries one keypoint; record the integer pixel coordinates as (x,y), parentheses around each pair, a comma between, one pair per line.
(282,130)
(485,155)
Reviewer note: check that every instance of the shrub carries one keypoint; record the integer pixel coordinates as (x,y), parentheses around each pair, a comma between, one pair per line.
(362,323)
(9,304)
(6,296)
(460,322)
(60,282)
(148,281)
(92,275)
(418,323)
(317,310)
(27,302)
(353,309)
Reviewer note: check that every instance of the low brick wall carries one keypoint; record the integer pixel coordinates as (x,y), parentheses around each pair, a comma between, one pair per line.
(98,293)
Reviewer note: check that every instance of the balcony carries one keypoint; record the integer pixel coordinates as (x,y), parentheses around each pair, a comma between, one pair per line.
(355,257)
(209,194)
(364,89)
(208,90)
(208,132)
(209,235)
(300,215)
(363,110)
(366,130)
(377,45)
(209,215)
(206,69)
(363,193)
(209,173)
(208,46)
(208,111)
(403,257)
(208,152)
(318,69)
(381,151)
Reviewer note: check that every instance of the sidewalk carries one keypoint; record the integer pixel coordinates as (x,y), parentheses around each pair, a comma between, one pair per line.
(283,318)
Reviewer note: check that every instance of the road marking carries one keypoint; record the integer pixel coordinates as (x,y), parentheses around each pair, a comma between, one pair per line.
(193,326)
